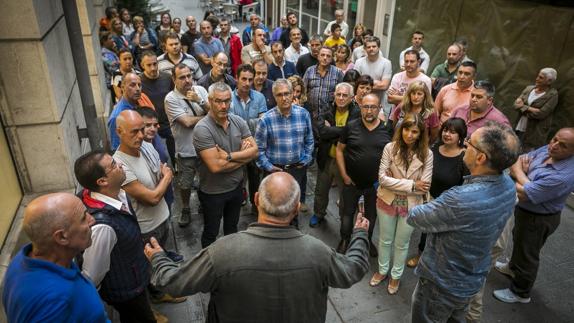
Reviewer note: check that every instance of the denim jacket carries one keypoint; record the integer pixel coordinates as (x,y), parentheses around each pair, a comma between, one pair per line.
(463,224)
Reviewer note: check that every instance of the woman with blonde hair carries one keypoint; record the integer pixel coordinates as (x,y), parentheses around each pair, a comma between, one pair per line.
(342,58)
(404,181)
(418,100)
(299,94)
(358,32)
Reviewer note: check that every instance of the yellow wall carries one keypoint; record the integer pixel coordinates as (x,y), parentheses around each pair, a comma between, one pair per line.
(10,192)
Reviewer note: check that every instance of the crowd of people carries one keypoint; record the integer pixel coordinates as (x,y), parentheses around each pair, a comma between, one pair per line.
(248,114)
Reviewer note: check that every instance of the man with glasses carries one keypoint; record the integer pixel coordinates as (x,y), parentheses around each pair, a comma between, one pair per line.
(218,72)
(285,136)
(481,108)
(225,145)
(330,126)
(463,224)
(358,156)
(185,106)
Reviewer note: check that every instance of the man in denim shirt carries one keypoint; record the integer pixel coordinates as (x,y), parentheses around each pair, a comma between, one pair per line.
(463,224)
(544,180)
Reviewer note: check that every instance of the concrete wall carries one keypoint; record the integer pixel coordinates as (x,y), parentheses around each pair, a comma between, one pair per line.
(39,97)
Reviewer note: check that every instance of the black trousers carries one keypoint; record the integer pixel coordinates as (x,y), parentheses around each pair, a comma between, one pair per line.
(217,206)
(529,235)
(350,197)
(253,180)
(135,310)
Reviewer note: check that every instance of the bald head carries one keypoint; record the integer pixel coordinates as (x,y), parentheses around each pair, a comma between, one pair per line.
(49,213)
(562,144)
(132,87)
(279,195)
(130,128)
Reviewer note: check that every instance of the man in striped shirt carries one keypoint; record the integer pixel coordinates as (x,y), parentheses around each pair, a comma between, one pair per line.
(320,81)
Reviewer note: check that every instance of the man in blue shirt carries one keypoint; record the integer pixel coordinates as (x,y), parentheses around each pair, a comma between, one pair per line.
(463,224)
(544,179)
(280,68)
(132,91)
(249,105)
(42,283)
(284,136)
(206,46)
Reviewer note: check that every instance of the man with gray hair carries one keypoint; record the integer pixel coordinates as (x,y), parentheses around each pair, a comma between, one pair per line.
(285,136)
(463,224)
(225,145)
(269,250)
(339,19)
(248,35)
(330,126)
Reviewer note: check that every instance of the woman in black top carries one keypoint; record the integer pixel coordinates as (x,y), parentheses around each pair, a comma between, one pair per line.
(448,167)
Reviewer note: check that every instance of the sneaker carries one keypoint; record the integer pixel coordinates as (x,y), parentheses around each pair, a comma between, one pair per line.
(507,296)
(504,268)
(167,298)
(414,261)
(185,218)
(315,221)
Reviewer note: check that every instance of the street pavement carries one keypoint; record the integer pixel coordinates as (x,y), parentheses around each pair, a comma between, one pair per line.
(552,297)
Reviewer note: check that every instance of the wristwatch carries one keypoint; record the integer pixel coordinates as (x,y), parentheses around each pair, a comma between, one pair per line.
(228,156)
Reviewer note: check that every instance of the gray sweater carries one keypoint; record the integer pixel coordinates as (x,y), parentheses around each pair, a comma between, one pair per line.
(265,274)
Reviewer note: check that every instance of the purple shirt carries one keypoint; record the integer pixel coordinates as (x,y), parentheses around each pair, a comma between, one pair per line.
(492,114)
(550,184)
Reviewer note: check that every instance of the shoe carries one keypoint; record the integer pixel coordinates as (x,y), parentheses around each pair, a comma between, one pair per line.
(377,279)
(343,246)
(393,287)
(315,221)
(373,250)
(185,217)
(507,296)
(304,208)
(414,261)
(167,298)
(175,257)
(159,318)
(504,268)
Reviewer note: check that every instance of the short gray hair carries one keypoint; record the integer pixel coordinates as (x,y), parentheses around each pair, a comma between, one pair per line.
(279,205)
(316,37)
(281,82)
(347,85)
(550,73)
(218,87)
(500,144)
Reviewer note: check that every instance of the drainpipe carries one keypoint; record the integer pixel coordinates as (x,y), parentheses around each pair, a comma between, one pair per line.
(93,131)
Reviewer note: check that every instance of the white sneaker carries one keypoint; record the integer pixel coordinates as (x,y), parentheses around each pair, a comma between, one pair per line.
(507,296)
(504,268)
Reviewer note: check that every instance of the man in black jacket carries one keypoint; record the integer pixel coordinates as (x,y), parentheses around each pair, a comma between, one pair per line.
(330,126)
(115,261)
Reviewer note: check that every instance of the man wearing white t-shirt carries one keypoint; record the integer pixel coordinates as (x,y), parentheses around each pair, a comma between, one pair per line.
(401,81)
(296,49)
(417,44)
(376,66)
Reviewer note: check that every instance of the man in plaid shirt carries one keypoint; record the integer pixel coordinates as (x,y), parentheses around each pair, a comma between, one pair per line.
(320,81)
(284,136)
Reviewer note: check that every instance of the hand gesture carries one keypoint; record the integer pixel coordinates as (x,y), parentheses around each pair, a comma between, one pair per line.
(221,152)
(193,96)
(393,91)
(152,248)
(275,169)
(347,180)
(166,172)
(361,222)
(140,30)
(327,124)
(524,163)
(422,186)
(245,144)
(518,103)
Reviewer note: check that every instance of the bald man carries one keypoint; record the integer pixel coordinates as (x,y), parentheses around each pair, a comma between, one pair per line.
(132,92)
(257,275)
(42,283)
(146,181)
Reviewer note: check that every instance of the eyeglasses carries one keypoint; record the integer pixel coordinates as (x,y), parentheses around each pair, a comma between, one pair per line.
(468,143)
(370,107)
(113,165)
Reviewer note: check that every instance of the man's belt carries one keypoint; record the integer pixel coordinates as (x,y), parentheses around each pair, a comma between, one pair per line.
(286,167)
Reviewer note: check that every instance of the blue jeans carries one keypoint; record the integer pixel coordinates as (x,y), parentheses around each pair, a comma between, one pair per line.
(430,304)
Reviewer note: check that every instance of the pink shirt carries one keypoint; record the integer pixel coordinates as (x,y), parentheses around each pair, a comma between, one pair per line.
(401,81)
(450,98)
(492,114)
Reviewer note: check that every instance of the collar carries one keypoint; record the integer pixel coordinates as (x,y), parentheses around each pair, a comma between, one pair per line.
(469,179)
(116,204)
(239,98)
(487,112)
(282,65)
(464,90)
(273,231)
